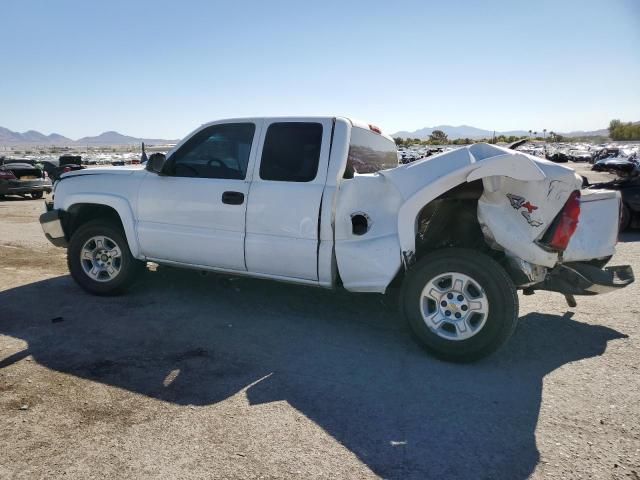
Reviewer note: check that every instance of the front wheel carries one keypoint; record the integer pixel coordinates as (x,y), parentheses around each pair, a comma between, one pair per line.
(99,258)
(36,195)
(461,304)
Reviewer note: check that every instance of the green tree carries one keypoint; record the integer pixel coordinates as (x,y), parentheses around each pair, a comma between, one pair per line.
(438,137)
(624,131)
(614,128)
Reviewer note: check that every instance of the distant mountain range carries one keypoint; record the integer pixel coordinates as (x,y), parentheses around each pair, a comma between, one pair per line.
(465,131)
(462,131)
(604,132)
(32,137)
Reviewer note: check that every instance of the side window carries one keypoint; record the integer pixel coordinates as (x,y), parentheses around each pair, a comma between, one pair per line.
(219,151)
(291,152)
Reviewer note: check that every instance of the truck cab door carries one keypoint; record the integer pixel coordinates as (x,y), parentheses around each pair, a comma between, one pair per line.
(194,213)
(285,196)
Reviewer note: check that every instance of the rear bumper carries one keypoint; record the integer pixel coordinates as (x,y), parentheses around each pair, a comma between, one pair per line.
(585,279)
(51,223)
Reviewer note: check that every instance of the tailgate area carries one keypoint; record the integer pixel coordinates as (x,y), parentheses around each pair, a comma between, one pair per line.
(597,232)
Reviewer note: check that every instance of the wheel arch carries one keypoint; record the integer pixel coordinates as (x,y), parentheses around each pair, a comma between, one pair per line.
(466,183)
(445,216)
(80,209)
(451,220)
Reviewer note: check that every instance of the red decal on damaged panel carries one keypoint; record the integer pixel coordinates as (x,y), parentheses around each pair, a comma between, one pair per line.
(518,202)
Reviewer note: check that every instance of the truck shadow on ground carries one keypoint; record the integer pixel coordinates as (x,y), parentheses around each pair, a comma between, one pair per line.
(345,361)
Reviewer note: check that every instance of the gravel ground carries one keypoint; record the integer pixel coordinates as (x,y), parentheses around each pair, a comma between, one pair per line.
(206,377)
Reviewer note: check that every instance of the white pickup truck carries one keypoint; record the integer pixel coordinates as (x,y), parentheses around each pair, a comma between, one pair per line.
(322,201)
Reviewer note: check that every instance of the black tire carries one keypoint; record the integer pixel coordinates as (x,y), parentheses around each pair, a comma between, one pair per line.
(36,195)
(129,266)
(497,287)
(625,218)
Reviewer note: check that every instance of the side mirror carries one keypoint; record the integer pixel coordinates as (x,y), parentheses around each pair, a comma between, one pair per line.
(156,162)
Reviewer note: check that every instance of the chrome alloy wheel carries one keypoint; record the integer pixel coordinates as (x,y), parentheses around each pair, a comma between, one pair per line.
(454,306)
(101,258)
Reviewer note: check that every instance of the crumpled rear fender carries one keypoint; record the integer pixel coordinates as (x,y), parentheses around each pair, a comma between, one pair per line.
(501,171)
(393,199)
(514,214)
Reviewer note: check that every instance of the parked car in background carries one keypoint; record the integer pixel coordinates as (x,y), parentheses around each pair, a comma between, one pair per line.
(628,184)
(622,166)
(22,177)
(66,163)
(579,155)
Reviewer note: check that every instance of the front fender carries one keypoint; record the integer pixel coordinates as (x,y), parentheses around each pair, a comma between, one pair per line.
(118,203)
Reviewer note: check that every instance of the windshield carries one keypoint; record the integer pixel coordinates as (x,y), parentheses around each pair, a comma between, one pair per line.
(370,152)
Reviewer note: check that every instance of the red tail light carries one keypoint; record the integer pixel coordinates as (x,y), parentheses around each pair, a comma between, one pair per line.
(566,223)
(66,169)
(7,175)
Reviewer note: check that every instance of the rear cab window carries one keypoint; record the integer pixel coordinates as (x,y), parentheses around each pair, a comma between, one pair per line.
(291,152)
(369,152)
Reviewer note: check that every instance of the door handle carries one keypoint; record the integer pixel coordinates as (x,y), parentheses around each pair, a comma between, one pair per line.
(233,198)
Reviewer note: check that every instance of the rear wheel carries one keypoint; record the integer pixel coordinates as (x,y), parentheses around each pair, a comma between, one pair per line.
(36,195)
(461,304)
(99,258)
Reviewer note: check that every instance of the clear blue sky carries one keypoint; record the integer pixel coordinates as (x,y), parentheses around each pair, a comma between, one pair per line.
(160,68)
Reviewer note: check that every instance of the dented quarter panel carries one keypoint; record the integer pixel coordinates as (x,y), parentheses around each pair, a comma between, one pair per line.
(536,187)
(515,214)
(368,262)
(543,184)
(510,225)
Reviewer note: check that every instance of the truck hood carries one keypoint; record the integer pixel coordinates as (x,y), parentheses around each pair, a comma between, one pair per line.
(126,170)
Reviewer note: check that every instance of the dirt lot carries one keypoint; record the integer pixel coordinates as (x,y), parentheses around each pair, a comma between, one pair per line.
(203,377)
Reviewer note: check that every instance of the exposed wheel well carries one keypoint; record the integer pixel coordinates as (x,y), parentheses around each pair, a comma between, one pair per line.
(81,213)
(451,220)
